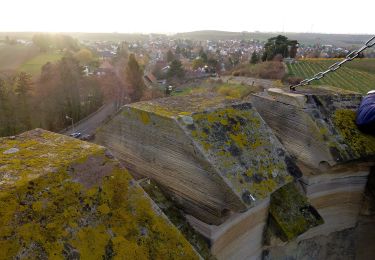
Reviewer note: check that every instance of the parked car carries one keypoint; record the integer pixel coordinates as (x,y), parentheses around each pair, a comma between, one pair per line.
(75,135)
(87,137)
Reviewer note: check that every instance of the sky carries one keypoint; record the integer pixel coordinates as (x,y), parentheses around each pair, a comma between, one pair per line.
(168,16)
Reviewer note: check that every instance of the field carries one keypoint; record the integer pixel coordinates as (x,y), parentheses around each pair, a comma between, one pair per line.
(12,56)
(24,58)
(358,75)
(34,65)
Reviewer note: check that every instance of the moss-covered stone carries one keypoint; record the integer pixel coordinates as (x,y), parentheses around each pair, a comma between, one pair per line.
(242,148)
(63,198)
(176,216)
(316,124)
(361,144)
(182,105)
(291,214)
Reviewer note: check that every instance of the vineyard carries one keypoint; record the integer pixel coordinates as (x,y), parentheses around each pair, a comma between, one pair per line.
(358,75)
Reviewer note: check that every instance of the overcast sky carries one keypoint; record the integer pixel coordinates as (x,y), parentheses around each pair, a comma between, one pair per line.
(168,16)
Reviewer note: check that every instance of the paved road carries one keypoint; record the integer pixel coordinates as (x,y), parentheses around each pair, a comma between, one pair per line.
(90,123)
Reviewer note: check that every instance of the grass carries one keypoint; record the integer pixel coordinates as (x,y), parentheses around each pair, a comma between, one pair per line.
(25,58)
(12,56)
(34,65)
(235,91)
(358,75)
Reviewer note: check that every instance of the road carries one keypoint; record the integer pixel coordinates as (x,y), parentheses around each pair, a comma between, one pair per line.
(88,125)
(93,121)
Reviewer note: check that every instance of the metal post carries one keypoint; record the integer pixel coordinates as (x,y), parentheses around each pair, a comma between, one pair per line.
(69,118)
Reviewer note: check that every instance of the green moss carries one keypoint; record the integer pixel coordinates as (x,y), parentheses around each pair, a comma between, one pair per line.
(39,151)
(48,209)
(237,91)
(182,105)
(176,216)
(361,144)
(291,213)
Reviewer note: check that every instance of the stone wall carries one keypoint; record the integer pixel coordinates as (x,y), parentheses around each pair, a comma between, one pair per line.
(61,198)
(230,166)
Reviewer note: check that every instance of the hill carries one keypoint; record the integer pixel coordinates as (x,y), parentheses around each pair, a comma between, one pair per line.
(357,75)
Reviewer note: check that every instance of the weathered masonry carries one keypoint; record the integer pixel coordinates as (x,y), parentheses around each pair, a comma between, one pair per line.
(249,174)
(61,198)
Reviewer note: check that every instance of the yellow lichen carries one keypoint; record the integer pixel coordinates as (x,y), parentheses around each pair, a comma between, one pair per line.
(360,143)
(42,213)
(145,117)
(237,142)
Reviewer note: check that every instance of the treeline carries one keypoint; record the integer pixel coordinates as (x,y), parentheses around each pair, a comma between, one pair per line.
(62,90)
(45,41)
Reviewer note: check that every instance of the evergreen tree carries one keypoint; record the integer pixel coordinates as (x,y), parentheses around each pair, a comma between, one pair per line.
(134,77)
(70,76)
(176,70)
(279,45)
(22,90)
(254,58)
(203,55)
(170,56)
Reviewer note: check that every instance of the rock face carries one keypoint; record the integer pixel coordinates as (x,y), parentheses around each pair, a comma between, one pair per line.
(223,162)
(64,198)
(316,125)
(214,155)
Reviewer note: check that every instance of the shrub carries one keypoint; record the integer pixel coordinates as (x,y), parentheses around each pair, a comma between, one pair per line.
(234,91)
(266,70)
(271,70)
(294,80)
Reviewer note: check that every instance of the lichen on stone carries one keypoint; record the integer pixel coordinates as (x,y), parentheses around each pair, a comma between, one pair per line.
(291,214)
(238,143)
(64,198)
(359,143)
(182,105)
(176,216)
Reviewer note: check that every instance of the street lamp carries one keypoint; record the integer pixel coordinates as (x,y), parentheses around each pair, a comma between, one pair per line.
(69,118)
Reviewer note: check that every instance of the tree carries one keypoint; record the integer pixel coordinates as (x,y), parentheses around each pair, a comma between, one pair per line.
(63,90)
(23,86)
(176,70)
(123,50)
(198,63)
(6,111)
(170,56)
(254,58)
(134,78)
(279,45)
(213,65)
(42,41)
(62,41)
(22,90)
(178,50)
(203,55)
(84,56)
(293,48)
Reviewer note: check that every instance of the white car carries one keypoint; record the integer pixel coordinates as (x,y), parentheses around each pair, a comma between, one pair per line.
(75,135)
